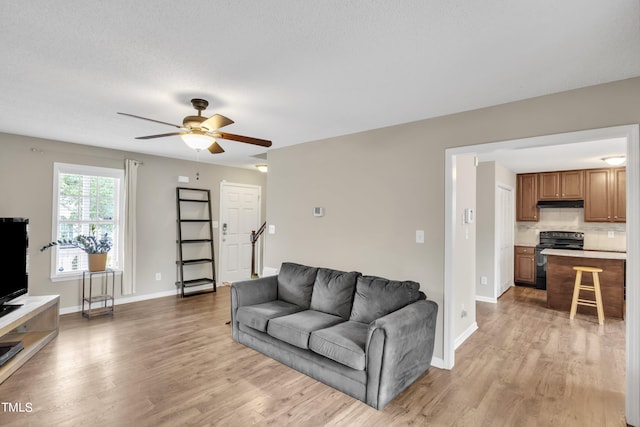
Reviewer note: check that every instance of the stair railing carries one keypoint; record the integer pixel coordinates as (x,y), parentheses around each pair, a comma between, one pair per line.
(255,235)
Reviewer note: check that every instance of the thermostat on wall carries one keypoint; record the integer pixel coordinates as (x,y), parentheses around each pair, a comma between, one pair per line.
(318,211)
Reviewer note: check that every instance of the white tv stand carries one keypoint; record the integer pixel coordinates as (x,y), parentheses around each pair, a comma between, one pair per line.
(35,324)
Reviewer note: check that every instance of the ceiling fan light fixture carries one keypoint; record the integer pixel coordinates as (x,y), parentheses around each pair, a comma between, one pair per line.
(614,160)
(197,140)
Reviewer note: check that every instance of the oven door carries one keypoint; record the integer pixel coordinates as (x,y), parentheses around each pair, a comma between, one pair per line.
(541,268)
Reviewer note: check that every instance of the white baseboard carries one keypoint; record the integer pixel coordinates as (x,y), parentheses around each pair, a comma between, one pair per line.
(466,334)
(437,362)
(486,299)
(143,297)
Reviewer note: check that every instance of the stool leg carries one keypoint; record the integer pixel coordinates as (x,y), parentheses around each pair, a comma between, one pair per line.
(576,294)
(599,306)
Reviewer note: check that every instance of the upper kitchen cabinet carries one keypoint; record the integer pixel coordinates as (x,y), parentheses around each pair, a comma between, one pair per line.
(605,195)
(565,185)
(619,207)
(527,197)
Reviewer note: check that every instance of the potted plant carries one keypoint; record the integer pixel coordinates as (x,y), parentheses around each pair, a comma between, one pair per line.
(97,248)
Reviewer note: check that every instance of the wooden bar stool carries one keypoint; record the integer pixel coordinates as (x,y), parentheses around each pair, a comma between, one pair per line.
(597,303)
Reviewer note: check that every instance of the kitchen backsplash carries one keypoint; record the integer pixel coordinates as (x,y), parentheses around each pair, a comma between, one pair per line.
(596,234)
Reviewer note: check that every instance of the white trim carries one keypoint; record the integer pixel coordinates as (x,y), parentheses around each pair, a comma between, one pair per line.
(466,334)
(633,276)
(492,300)
(127,300)
(138,298)
(437,362)
(448,305)
(92,171)
(223,184)
(632,134)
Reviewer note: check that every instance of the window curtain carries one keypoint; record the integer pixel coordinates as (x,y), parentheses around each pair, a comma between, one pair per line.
(129,270)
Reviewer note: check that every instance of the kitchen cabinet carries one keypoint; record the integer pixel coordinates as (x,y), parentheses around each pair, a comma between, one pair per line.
(525,265)
(619,188)
(527,197)
(605,195)
(565,185)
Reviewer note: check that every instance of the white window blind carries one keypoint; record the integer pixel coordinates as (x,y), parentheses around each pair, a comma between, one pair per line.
(86,200)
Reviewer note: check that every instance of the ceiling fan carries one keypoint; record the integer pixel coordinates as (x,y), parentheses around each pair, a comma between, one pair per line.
(198,132)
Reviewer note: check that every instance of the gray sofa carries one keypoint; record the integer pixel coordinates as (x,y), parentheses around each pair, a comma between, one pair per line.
(366,336)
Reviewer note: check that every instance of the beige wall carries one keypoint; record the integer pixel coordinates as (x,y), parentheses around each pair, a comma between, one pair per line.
(379,186)
(26,191)
(464,263)
(485,228)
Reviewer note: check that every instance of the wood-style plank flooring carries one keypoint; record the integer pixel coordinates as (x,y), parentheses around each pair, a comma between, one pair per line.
(172,362)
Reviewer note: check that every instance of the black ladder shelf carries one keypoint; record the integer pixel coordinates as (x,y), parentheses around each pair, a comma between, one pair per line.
(194,196)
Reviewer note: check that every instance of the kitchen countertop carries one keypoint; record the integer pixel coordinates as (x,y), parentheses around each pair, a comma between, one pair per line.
(528,245)
(586,254)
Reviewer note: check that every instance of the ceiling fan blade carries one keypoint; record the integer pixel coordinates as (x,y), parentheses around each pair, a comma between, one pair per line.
(151,120)
(215,148)
(215,122)
(240,138)
(161,135)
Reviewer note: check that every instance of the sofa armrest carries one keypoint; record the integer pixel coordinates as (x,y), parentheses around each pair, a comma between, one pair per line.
(251,292)
(399,349)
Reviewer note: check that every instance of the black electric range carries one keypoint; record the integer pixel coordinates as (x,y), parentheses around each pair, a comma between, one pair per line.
(570,240)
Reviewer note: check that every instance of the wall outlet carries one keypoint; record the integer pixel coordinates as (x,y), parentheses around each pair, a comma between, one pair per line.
(611,234)
(158,276)
(272,229)
(419,236)
(463,314)
(483,280)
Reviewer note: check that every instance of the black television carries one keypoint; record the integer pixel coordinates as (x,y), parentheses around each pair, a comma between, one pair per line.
(14,281)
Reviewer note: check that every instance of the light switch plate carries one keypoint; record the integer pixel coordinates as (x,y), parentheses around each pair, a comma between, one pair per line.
(272,229)
(419,236)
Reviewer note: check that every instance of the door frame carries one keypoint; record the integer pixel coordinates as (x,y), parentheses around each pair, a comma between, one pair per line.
(632,134)
(224,184)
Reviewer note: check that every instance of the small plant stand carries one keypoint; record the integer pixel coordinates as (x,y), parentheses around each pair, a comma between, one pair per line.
(103,299)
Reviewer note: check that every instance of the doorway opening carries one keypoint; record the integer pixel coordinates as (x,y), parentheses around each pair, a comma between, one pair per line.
(631,134)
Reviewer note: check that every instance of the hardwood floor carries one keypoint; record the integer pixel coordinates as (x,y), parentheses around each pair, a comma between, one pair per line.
(172,362)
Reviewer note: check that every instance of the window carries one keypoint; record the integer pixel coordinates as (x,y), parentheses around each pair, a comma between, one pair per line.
(86,199)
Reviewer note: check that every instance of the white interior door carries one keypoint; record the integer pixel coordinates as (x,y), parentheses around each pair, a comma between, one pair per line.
(239,215)
(504,238)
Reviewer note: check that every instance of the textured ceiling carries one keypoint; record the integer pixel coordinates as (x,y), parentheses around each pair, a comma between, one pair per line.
(292,71)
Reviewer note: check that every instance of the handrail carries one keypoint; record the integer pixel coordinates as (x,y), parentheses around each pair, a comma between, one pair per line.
(255,235)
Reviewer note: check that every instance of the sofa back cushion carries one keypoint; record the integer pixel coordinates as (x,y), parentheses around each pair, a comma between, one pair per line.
(295,283)
(376,297)
(333,292)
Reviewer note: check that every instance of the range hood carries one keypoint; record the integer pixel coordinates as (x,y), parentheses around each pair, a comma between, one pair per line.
(560,204)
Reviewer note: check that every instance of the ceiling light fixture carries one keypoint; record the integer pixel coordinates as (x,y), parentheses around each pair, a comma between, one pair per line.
(197,139)
(614,160)
(262,168)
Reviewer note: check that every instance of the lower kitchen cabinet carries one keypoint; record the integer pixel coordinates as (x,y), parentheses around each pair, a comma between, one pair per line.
(525,265)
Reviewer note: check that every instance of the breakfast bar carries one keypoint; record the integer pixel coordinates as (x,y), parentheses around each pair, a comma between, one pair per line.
(561,278)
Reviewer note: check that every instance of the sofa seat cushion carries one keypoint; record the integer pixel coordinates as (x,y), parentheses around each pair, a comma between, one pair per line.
(376,297)
(343,343)
(296,328)
(295,283)
(258,316)
(333,292)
